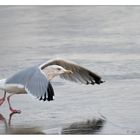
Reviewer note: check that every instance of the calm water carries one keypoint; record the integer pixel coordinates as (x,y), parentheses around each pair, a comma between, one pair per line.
(105,39)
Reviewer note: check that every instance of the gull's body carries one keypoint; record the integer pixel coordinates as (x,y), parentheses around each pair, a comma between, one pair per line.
(36,80)
(12,88)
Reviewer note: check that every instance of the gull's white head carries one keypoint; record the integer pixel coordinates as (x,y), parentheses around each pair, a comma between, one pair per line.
(55,70)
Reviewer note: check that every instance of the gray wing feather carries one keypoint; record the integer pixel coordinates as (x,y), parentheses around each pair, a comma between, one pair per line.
(22,77)
(80,74)
(35,83)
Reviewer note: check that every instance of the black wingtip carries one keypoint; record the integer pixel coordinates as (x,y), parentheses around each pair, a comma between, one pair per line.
(102,81)
(50,92)
(49,95)
(99,81)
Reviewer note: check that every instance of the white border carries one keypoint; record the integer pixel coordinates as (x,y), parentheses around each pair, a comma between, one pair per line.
(71,137)
(69,2)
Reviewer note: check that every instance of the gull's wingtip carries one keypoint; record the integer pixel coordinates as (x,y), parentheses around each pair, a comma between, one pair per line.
(100,81)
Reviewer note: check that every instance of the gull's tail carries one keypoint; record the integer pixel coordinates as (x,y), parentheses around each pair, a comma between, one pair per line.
(2,83)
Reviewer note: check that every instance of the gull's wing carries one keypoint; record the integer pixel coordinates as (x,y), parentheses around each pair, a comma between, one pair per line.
(35,83)
(40,87)
(80,74)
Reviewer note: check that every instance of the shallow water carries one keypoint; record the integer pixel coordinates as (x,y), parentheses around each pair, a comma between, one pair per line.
(104,39)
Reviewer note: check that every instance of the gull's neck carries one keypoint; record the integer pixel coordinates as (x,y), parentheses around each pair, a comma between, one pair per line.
(50,74)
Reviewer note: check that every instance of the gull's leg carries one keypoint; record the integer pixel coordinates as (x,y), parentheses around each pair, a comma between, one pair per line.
(2,118)
(10,117)
(3,98)
(10,107)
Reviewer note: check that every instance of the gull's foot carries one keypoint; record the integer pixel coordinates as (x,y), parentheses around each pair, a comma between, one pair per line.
(15,111)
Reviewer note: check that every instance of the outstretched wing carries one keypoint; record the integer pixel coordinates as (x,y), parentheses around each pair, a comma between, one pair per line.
(35,83)
(40,87)
(80,74)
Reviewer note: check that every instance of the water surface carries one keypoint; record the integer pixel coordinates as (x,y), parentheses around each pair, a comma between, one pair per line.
(105,39)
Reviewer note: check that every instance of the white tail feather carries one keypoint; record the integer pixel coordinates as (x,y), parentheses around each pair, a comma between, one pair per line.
(2,83)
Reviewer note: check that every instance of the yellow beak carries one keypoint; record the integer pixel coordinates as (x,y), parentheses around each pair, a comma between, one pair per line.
(69,71)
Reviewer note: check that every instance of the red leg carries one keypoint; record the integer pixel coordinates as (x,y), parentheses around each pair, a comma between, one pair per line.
(10,117)
(1,117)
(11,109)
(2,99)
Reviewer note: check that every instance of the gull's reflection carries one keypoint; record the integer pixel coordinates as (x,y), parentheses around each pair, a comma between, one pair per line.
(88,127)
(93,126)
(9,129)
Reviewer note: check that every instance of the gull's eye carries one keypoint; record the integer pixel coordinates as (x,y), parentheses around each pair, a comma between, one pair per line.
(58,69)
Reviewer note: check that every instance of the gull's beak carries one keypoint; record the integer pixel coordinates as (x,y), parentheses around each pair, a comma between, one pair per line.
(68,71)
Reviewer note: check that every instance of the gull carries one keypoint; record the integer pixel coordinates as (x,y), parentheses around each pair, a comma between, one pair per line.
(35,80)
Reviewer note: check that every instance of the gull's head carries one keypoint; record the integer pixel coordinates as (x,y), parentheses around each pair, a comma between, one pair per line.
(55,70)
(59,70)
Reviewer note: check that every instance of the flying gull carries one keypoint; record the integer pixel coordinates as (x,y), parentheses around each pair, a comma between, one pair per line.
(36,80)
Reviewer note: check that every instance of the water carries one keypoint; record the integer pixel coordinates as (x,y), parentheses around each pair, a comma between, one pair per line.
(104,39)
